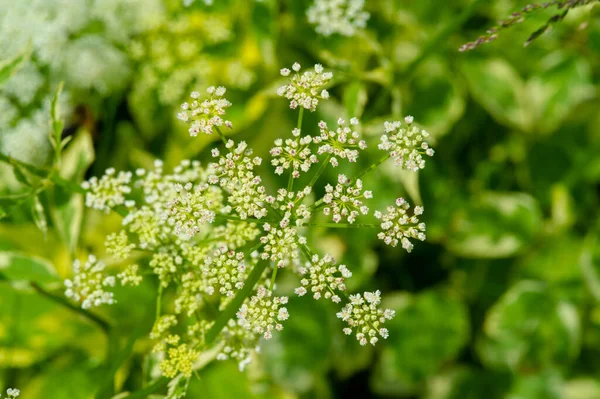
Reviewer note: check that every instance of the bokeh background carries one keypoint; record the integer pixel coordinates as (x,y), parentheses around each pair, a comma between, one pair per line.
(501,301)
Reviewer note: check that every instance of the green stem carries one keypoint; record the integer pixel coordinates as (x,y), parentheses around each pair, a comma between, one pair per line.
(235,304)
(300,116)
(290,185)
(370,168)
(221,135)
(102,323)
(43,173)
(273,276)
(320,171)
(157,385)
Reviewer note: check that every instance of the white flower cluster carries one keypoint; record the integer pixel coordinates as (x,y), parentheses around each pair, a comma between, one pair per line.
(398,226)
(89,284)
(363,316)
(118,245)
(293,153)
(406,144)
(203,116)
(323,278)
(225,271)
(345,200)
(107,192)
(239,343)
(280,244)
(12,393)
(190,209)
(307,89)
(338,16)
(342,142)
(263,312)
(234,173)
(289,202)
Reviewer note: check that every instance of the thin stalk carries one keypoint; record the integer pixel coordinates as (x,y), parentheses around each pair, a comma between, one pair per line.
(221,135)
(290,185)
(101,322)
(273,276)
(235,304)
(370,168)
(52,175)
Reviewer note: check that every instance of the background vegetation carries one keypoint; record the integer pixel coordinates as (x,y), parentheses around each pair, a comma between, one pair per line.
(501,301)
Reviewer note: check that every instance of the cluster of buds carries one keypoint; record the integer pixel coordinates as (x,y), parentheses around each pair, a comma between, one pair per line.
(343,17)
(323,278)
(345,200)
(342,142)
(406,144)
(89,284)
(293,153)
(225,271)
(263,312)
(107,192)
(307,89)
(204,116)
(12,393)
(365,318)
(280,243)
(398,226)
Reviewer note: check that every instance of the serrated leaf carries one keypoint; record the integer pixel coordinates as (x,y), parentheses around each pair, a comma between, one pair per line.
(20,175)
(9,67)
(20,267)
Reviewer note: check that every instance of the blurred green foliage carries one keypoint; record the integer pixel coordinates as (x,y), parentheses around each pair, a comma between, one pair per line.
(501,301)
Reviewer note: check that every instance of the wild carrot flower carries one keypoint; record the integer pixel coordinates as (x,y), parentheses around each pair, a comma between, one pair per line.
(364,318)
(406,144)
(89,283)
(398,226)
(203,115)
(344,17)
(344,201)
(307,89)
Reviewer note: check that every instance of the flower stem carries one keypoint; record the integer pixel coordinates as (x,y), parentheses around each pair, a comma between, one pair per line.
(101,322)
(236,302)
(373,166)
(221,135)
(52,175)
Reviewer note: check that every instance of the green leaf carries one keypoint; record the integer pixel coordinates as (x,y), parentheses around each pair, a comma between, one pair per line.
(67,218)
(428,330)
(9,67)
(546,385)
(497,86)
(529,329)
(467,383)
(495,225)
(39,215)
(355,99)
(77,157)
(21,176)
(20,267)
